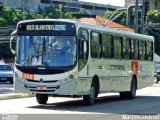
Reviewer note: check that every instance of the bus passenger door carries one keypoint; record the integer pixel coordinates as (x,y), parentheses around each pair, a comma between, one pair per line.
(83,67)
(83,57)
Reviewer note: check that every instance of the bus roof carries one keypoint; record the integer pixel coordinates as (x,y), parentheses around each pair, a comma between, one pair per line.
(79,24)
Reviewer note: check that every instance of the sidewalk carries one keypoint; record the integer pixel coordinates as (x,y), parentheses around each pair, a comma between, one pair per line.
(15,96)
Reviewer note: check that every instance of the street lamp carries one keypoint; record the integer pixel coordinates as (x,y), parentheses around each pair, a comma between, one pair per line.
(60,9)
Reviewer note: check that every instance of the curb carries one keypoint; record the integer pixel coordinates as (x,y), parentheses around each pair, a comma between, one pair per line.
(15,96)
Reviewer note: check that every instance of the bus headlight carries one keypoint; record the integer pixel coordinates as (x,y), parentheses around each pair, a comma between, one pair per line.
(66,80)
(71,77)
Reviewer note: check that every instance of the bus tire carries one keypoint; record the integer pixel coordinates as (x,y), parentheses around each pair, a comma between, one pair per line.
(90,99)
(42,98)
(96,84)
(156,80)
(123,95)
(132,93)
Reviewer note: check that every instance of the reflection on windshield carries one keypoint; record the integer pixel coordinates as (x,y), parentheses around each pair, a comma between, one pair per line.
(46,50)
(5,68)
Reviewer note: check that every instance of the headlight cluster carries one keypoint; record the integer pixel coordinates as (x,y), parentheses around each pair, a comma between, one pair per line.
(68,79)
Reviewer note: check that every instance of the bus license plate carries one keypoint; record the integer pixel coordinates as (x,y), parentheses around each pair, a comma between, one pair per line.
(41,87)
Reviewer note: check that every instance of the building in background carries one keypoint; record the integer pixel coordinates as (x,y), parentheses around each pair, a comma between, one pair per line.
(28,5)
(69,5)
(153,4)
(129,2)
(75,5)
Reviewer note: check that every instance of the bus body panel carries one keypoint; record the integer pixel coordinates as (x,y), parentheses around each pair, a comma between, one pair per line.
(61,84)
(113,75)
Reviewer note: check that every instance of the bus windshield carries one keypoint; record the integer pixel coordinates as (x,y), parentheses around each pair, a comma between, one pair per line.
(53,51)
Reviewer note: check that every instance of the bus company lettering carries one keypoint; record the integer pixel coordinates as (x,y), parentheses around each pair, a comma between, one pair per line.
(47,27)
(117,67)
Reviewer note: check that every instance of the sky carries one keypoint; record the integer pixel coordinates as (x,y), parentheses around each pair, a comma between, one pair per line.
(111,2)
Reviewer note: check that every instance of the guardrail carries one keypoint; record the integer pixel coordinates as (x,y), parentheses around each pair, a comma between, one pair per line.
(5,32)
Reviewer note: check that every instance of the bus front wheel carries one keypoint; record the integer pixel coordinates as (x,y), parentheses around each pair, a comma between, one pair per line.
(89,99)
(42,98)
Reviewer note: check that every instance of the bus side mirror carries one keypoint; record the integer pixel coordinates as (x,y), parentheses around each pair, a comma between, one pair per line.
(13,39)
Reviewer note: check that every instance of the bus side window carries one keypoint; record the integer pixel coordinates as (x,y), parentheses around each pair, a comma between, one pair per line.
(82,48)
(142,50)
(117,47)
(96,45)
(134,49)
(149,51)
(107,46)
(126,48)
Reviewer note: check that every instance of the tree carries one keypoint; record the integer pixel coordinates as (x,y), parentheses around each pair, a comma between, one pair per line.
(8,16)
(120,20)
(153,16)
(52,12)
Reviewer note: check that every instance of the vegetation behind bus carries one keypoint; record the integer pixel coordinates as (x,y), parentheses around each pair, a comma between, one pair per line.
(152,16)
(10,17)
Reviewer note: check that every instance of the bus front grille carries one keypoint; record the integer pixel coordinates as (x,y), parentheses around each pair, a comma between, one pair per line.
(42,90)
(48,89)
(48,81)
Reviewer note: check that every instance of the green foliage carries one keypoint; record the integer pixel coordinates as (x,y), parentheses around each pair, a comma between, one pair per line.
(108,14)
(8,15)
(55,13)
(2,20)
(69,15)
(52,12)
(120,20)
(33,16)
(153,16)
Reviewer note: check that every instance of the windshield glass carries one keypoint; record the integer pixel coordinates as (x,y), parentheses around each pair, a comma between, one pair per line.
(54,51)
(5,68)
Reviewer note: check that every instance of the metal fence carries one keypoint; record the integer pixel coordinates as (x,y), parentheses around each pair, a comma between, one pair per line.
(5,32)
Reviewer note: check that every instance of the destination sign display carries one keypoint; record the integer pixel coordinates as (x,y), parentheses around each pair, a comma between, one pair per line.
(46,26)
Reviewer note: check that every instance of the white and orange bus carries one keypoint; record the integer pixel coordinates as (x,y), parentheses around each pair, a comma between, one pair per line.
(71,58)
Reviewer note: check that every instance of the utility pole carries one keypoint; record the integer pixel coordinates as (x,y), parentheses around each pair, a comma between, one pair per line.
(143,17)
(23,9)
(1,5)
(24,6)
(136,17)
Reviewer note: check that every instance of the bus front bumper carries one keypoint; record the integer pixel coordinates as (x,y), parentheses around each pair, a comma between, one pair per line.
(45,87)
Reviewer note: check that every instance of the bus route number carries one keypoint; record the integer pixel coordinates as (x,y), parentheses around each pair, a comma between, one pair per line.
(28,76)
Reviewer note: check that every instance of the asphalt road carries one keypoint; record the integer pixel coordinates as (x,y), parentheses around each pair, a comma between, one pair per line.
(6,88)
(107,107)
